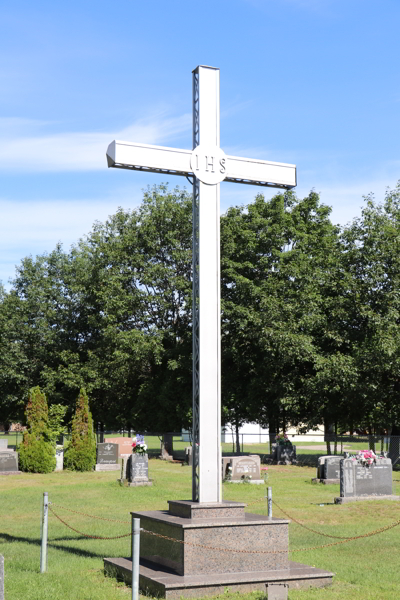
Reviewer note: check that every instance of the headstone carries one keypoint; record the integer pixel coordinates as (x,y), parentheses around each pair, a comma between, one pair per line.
(277,591)
(139,470)
(359,482)
(59,458)
(124,445)
(107,457)
(328,470)
(242,468)
(284,454)
(9,462)
(4,444)
(189,455)
(1,577)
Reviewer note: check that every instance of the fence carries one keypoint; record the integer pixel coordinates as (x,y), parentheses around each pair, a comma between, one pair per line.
(257,443)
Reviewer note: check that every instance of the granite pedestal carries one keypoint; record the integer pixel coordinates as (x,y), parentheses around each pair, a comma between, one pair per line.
(212,546)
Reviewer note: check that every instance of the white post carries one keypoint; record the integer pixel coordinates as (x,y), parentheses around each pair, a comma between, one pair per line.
(43,552)
(135,557)
(206,293)
(270,502)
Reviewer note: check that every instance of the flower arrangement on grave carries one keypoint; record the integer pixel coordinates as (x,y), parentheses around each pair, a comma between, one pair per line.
(365,457)
(139,446)
(282,439)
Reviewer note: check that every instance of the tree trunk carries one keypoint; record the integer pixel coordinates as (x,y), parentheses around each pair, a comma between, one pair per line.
(167,446)
(237,437)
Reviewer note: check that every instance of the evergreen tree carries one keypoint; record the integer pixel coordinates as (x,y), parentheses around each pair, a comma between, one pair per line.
(81,452)
(36,453)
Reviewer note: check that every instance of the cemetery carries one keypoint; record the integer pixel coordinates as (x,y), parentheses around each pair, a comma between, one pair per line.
(226,299)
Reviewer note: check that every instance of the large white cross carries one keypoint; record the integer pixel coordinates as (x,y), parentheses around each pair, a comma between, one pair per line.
(209,165)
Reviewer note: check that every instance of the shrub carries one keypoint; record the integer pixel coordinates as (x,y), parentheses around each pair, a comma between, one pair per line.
(81,452)
(37,453)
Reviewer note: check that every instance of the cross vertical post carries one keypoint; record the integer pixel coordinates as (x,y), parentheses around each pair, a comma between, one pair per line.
(206,480)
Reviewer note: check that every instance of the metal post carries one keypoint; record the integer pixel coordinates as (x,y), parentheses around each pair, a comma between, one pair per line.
(135,557)
(270,502)
(43,553)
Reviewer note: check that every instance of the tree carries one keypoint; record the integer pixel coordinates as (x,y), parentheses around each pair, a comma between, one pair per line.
(278,261)
(37,452)
(80,454)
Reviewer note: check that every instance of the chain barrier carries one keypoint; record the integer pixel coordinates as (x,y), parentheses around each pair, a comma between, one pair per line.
(338,537)
(93,537)
(342,540)
(91,516)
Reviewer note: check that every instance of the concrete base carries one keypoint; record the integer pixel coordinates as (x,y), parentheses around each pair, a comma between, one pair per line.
(10,473)
(253,481)
(197,549)
(359,498)
(156,580)
(326,481)
(114,467)
(148,482)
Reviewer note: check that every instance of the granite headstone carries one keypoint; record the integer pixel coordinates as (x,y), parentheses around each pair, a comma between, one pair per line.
(8,461)
(138,466)
(107,457)
(361,482)
(284,454)
(4,444)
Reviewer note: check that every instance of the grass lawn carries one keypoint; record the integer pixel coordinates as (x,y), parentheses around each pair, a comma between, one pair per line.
(365,569)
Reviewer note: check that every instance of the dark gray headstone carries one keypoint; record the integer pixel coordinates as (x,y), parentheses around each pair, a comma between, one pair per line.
(357,480)
(8,460)
(331,468)
(139,467)
(285,454)
(1,577)
(107,454)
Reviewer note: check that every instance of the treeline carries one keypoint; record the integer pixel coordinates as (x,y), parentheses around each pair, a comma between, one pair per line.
(310,317)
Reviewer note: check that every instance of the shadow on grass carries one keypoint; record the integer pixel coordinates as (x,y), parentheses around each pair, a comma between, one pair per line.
(52,544)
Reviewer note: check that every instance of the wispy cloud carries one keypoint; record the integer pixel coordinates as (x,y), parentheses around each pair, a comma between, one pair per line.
(76,151)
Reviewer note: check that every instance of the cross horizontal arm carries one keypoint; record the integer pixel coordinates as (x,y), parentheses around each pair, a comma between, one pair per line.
(142,157)
(175,161)
(260,172)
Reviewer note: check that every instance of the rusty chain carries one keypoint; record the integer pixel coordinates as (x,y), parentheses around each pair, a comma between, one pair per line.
(338,537)
(93,537)
(91,516)
(342,540)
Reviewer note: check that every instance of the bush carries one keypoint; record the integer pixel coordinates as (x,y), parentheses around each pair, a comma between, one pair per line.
(37,452)
(81,452)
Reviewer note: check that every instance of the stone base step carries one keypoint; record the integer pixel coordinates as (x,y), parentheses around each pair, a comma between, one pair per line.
(359,498)
(159,581)
(325,481)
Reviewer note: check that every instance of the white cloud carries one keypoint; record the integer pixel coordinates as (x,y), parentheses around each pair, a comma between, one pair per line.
(77,151)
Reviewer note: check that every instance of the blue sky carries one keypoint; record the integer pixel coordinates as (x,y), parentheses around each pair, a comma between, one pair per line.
(310,82)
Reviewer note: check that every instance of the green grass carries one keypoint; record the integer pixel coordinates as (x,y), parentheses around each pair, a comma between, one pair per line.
(365,569)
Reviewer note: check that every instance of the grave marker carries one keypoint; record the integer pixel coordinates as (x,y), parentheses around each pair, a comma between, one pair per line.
(359,482)
(9,462)
(107,457)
